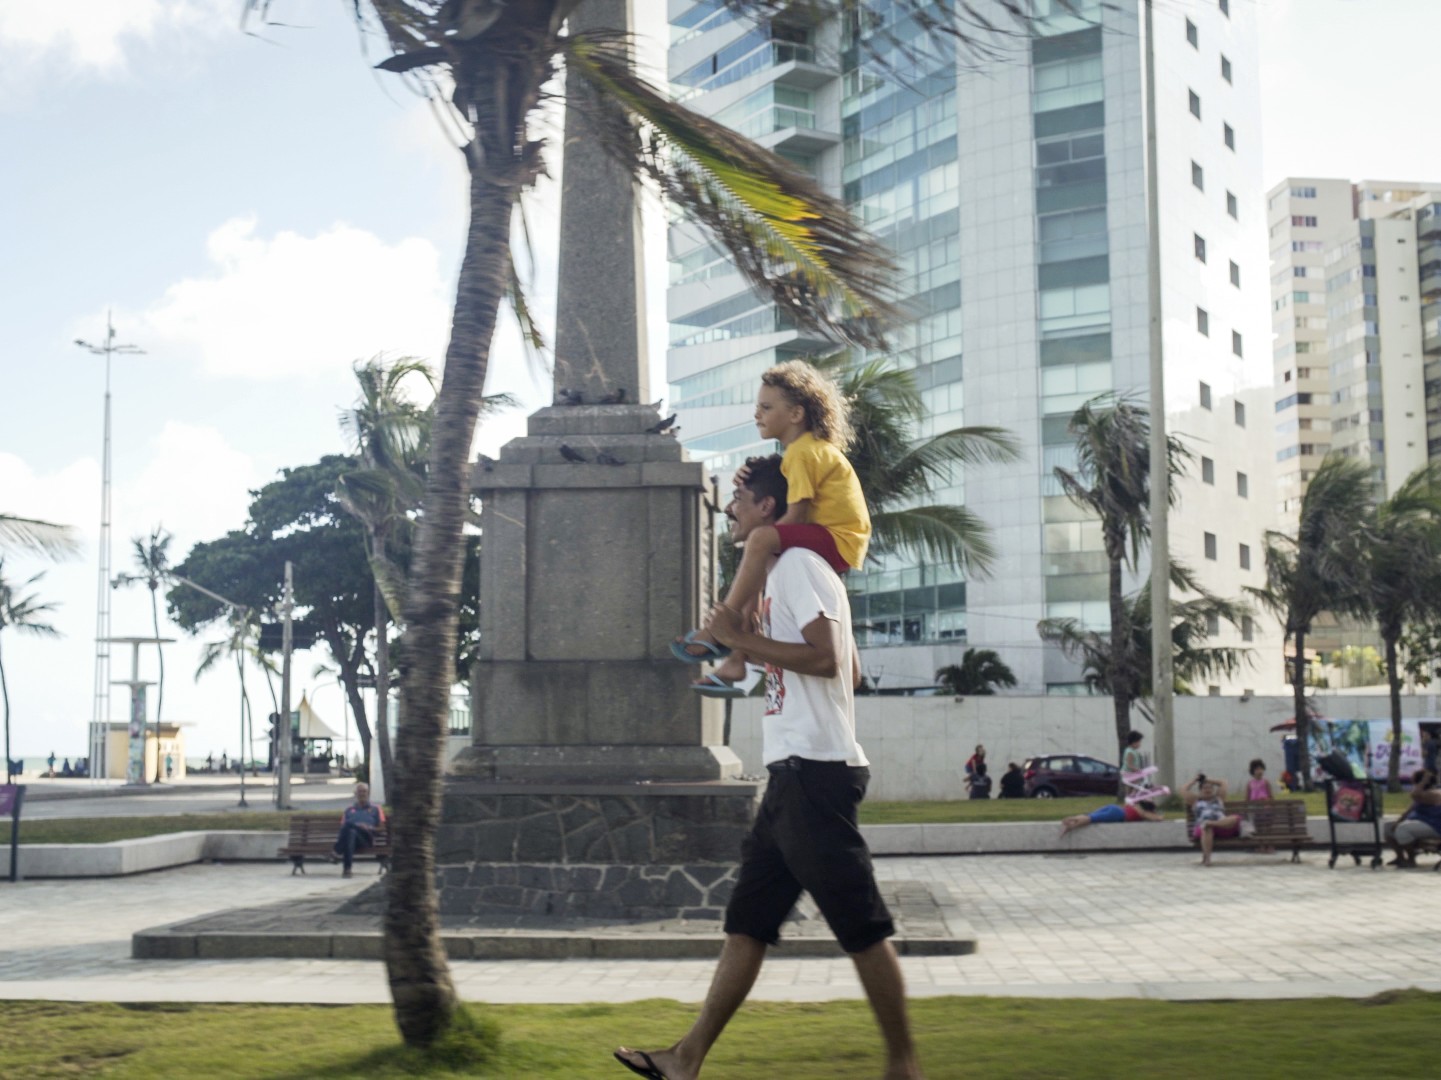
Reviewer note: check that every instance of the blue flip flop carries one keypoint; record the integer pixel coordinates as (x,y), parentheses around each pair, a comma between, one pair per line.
(713,650)
(715,686)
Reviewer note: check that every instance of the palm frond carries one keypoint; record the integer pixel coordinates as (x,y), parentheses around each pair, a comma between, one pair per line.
(788,237)
(951,535)
(40,537)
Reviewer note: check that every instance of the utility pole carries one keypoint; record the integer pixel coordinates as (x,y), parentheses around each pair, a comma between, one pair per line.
(282,767)
(100,702)
(1162,677)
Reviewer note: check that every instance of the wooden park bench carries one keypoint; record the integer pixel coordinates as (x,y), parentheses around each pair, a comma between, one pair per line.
(1432,847)
(1279,823)
(314,835)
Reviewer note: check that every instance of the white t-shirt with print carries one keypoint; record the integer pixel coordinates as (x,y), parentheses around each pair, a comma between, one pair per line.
(806,715)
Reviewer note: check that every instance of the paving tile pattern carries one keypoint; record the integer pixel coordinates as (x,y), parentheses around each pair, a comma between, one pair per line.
(1136,925)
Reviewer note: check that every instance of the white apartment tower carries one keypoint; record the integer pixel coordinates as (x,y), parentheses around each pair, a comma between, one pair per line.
(1355,285)
(1014,196)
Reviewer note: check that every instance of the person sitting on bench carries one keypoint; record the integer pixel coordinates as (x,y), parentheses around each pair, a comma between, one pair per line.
(358,826)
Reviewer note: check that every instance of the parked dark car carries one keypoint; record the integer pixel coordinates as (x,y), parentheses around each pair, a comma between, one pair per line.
(1060,775)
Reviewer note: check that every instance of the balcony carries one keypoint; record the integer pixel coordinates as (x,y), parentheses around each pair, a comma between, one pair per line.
(803,66)
(781,128)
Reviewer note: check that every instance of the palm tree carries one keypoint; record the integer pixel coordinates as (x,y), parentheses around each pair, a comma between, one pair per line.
(23,613)
(1193,659)
(1113,480)
(977,675)
(897,470)
(153,560)
(390,432)
(487,61)
(241,643)
(1403,577)
(39,537)
(1321,568)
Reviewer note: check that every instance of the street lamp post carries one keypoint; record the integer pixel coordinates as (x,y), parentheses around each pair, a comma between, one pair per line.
(100,702)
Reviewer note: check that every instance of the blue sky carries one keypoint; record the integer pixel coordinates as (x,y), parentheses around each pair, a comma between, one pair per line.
(261,211)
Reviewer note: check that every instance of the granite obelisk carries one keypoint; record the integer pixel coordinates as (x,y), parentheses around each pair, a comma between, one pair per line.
(597,783)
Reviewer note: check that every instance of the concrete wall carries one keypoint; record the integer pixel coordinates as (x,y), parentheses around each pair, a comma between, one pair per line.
(918,746)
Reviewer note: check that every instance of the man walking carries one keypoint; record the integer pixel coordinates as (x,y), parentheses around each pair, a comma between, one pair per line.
(805,835)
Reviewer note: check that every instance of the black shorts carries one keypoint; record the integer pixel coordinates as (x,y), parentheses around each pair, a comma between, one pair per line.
(805,837)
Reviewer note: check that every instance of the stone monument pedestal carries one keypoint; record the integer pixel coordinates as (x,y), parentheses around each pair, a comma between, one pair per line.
(592,851)
(598,785)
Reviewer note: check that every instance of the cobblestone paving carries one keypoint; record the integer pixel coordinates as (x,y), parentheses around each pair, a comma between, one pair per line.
(1134,925)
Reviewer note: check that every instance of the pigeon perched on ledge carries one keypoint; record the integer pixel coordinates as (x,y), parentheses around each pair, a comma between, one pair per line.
(663,427)
(574,456)
(568,397)
(615,397)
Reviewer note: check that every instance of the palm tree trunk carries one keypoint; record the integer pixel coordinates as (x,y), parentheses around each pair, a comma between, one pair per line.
(1122,661)
(1393,679)
(382,693)
(420,983)
(1303,718)
(160,683)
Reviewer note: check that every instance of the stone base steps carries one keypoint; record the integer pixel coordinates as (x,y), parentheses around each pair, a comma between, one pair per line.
(166,943)
(139,856)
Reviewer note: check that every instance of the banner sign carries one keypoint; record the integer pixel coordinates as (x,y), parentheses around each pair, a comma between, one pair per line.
(1367,745)
(135,763)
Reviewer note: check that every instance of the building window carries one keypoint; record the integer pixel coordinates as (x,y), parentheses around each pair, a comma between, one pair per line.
(1232,206)
(1303,193)
(1225,69)
(1239,412)
(1203,321)
(1229,134)
(1198,177)
(1192,35)
(1306,221)
(1243,485)
(1245,556)
(1213,624)
(1248,628)
(1195,104)
(1235,275)
(1200,246)
(1208,471)
(1236,343)
(1209,542)
(1205,395)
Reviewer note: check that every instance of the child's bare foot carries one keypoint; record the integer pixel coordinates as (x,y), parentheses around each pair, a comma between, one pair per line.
(732,669)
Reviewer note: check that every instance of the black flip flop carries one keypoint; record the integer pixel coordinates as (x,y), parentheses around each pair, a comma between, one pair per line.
(650,1072)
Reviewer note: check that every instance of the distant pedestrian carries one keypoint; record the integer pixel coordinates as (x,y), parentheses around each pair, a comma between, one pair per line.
(210,762)
(978,758)
(169,766)
(224,761)
(1132,760)
(358,826)
(50,761)
(1013,782)
(979,782)
(66,770)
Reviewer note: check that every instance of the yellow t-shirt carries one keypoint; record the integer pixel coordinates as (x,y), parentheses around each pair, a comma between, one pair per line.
(817,470)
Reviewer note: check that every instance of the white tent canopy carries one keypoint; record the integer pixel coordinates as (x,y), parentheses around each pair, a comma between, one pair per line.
(312,726)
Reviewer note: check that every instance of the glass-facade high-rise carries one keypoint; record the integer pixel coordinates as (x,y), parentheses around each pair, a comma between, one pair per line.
(1013,195)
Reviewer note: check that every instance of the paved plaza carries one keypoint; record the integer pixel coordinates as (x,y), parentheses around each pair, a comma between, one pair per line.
(1065,925)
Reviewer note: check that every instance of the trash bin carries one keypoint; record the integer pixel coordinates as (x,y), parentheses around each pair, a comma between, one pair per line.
(1354,811)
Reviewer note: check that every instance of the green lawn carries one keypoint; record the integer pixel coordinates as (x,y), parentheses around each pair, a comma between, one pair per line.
(104,830)
(979,810)
(958,1037)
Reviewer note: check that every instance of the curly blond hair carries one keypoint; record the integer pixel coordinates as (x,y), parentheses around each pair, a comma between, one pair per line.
(828,415)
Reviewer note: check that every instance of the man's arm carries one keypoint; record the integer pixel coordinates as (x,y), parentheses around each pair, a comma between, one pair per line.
(819,654)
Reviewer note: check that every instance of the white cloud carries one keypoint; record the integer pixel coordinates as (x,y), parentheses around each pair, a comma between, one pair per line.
(195,484)
(94,34)
(293,306)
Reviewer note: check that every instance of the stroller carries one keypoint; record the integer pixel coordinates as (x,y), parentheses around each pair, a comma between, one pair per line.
(1139,785)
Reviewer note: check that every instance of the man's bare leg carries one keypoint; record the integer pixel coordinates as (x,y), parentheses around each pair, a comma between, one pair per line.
(880,974)
(740,963)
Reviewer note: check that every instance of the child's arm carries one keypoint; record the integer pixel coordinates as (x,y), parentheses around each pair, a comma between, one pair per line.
(797,513)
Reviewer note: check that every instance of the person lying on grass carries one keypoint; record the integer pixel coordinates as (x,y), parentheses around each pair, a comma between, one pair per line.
(1113,814)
